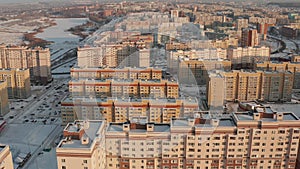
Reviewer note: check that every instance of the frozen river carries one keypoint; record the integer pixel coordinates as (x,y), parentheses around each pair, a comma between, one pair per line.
(62,39)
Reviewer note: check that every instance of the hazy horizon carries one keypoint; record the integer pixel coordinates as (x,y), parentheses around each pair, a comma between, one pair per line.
(36,1)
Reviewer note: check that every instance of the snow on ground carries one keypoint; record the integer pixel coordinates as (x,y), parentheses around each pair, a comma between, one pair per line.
(47,160)
(11,38)
(24,138)
(65,68)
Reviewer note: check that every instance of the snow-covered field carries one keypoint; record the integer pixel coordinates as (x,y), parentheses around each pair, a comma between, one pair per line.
(25,138)
(47,160)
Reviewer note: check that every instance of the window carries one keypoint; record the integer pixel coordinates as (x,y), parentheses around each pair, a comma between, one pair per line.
(85,161)
(63,160)
(63,167)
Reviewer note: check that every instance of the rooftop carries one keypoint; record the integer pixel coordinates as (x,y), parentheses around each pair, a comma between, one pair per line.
(75,132)
(136,127)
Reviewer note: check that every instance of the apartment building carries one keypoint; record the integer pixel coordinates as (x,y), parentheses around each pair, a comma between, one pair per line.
(293,67)
(276,86)
(82,146)
(4,104)
(247,57)
(37,60)
(18,82)
(263,20)
(243,85)
(249,38)
(218,43)
(215,91)
(122,109)
(259,138)
(6,161)
(196,71)
(208,19)
(124,87)
(241,23)
(148,73)
(104,55)
(174,57)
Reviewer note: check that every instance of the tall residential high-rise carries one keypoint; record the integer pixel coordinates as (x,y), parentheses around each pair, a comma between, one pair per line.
(215,91)
(249,38)
(259,138)
(4,104)
(18,82)
(6,161)
(256,85)
(20,57)
(196,70)
(247,57)
(293,67)
(105,55)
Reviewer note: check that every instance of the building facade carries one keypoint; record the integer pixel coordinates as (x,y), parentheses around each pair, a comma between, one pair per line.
(4,104)
(247,57)
(37,60)
(293,67)
(122,73)
(18,82)
(269,86)
(259,138)
(6,161)
(123,109)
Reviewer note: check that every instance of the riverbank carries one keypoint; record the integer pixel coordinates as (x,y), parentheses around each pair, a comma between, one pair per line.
(33,41)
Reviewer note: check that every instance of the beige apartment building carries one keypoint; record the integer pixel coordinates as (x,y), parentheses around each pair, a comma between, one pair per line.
(6,161)
(18,82)
(263,20)
(83,146)
(196,71)
(247,57)
(255,139)
(241,23)
(269,86)
(37,60)
(105,55)
(122,109)
(208,19)
(4,104)
(218,43)
(174,57)
(215,90)
(126,88)
(293,67)
(113,55)
(117,73)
